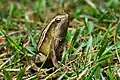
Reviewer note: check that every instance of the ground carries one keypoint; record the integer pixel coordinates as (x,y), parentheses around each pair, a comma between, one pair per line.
(93,39)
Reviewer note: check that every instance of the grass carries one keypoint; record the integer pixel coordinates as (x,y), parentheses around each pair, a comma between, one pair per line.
(93,39)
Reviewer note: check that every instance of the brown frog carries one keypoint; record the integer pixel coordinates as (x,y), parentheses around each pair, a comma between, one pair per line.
(52,41)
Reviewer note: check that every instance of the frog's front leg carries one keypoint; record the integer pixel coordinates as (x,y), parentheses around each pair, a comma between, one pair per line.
(53,54)
(37,59)
(40,58)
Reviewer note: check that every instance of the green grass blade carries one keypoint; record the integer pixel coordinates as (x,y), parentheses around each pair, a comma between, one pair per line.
(20,74)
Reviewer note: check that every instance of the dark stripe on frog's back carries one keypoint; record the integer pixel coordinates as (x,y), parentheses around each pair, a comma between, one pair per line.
(46,40)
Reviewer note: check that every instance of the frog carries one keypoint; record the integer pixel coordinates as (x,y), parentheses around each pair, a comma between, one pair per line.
(52,41)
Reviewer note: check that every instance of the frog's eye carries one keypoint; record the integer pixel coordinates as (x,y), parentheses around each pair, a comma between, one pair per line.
(58,20)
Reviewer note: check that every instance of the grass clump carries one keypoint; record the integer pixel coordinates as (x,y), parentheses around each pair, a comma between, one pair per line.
(93,39)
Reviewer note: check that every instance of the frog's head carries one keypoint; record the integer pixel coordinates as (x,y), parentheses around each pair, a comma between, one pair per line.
(62,22)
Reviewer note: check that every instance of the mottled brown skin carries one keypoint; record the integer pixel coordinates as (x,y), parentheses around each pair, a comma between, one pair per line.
(53,38)
(59,42)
